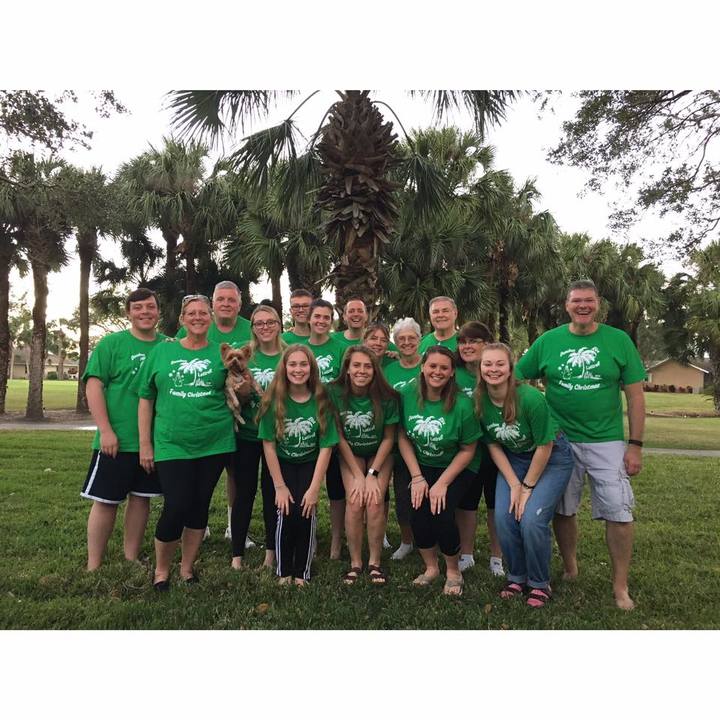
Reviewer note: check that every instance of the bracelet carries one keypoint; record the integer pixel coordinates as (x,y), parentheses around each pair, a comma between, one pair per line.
(280,487)
(526,486)
(639,443)
(373,472)
(412,477)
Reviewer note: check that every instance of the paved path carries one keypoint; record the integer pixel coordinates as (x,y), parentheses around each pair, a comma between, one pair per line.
(89,425)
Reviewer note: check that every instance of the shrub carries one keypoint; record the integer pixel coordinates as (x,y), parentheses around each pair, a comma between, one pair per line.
(52,375)
(689,389)
(663,388)
(671,388)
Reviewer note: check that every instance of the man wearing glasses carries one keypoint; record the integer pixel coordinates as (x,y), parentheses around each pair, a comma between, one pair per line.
(300,312)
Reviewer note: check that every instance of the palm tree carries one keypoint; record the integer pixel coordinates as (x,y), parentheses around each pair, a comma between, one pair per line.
(356,151)
(36,199)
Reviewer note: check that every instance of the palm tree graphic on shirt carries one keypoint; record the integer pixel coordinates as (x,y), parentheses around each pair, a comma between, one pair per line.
(137,360)
(506,433)
(190,372)
(324,363)
(577,362)
(428,429)
(300,428)
(358,420)
(263,377)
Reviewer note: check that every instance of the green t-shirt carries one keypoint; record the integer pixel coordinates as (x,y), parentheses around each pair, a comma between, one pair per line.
(429,340)
(191,417)
(534,424)
(582,376)
(358,423)
(339,337)
(466,380)
(302,439)
(435,433)
(291,338)
(115,362)
(398,376)
(263,369)
(238,336)
(329,358)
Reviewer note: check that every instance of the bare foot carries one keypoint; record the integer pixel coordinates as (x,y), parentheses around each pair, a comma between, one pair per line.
(429,576)
(335,551)
(570,571)
(623,600)
(299,582)
(237,563)
(269,561)
(453,585)
(568,576)
(285,581)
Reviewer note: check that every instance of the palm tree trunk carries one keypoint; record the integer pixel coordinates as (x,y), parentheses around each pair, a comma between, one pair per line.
(532,328)
(504,317)
(34,410)
(87,247)
(276,294)
(4,325)
(169,306)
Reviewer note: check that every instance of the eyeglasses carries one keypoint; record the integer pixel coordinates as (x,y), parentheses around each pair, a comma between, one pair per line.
(190,298)
(300,307)
(264,323)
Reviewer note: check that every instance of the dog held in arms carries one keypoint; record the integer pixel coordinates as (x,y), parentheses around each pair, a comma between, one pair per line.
(240,384)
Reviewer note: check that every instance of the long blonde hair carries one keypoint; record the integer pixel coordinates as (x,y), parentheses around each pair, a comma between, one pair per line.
(254,344)
(277,392)
(510,402)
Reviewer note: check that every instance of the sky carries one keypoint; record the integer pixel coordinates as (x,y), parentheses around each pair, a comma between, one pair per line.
(521,144)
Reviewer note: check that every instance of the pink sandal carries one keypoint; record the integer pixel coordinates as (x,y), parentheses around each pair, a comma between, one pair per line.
(539,597)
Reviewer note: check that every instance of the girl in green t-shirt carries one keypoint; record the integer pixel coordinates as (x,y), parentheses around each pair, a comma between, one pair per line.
(471,339)
(437,441)
(298,431)
(367,414)
(266,346)
(185,430)
(534,462)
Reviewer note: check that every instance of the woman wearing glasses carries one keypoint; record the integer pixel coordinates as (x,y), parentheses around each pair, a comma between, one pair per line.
(186,433)
(267,348)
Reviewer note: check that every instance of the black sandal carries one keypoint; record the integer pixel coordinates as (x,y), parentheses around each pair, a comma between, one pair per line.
(352,575)
(377,575)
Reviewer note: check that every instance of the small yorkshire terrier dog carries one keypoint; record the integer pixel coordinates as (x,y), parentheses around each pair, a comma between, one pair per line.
(240,383)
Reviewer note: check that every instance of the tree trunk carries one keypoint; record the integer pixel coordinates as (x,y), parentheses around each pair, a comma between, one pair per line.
(87,247)
(504,317)
(276,294)
(532,328)
(715,361)
(4,325)
(61,359)
(34,409)
(170,303)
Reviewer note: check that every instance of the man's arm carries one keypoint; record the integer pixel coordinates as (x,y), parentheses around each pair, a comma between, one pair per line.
(636,421)
(95,393)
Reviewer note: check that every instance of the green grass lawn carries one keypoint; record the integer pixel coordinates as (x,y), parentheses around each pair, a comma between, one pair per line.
(675,574)
(677,403)
(57,395)
(678,432)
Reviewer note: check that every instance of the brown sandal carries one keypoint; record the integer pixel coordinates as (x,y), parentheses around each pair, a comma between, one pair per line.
(377,575)
(352,575)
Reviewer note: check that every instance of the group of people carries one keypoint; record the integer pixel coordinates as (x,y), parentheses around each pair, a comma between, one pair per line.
(445,419)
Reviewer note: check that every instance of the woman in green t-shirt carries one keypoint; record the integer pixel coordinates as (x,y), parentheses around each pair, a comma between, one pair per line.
(367,414)
(186,431)
(534,461)
(267,347)
(297,427)
(437,441)
(471,339)
(377,338)
(406,336)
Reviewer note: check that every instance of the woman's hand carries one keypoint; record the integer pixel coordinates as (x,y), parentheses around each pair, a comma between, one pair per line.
(309,501)
(109,443)
(515,497)
(283,498)
(147,457)
(357,490)
(525,494)
(372,490)
(438,497)
(418,491)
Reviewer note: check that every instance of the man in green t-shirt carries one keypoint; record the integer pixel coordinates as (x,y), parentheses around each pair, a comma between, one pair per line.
(229,327)
(115,472)
(300,301)
(443,316)
(355,316)
(584,365)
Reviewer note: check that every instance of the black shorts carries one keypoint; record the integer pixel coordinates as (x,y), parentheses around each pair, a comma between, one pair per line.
(111,480)
(483,483)
(335,487)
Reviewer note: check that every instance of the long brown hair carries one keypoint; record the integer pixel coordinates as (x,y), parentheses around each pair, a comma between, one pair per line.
(510,402)
(449,393)
(379,389)
(277,392)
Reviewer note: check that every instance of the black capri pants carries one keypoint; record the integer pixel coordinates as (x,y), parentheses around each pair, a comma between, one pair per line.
(401,487)
(248,459)
(333,478)
(430,530)
(482,483)
(187,486)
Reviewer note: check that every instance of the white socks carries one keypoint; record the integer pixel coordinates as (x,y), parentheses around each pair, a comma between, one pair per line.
(465,562)
(402,552)
(496,567)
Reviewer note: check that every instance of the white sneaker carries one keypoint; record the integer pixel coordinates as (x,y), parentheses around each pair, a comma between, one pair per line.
(228,533)
(496,567)
(207,533)
(465,562)
(402,552)
(386,543)
(249,543)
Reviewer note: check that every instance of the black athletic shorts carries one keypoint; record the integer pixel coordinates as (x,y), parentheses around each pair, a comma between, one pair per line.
(335,487)
(111,480)
(483,483)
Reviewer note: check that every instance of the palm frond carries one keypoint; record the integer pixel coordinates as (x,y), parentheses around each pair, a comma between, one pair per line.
(424,179)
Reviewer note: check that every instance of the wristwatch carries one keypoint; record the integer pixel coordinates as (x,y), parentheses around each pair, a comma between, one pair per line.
(373,472)
(639,443)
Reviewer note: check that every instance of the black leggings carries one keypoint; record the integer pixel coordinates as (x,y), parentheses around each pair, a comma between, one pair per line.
(187,486)
(246,462)
(430,530)
(401,481)
(295,534)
